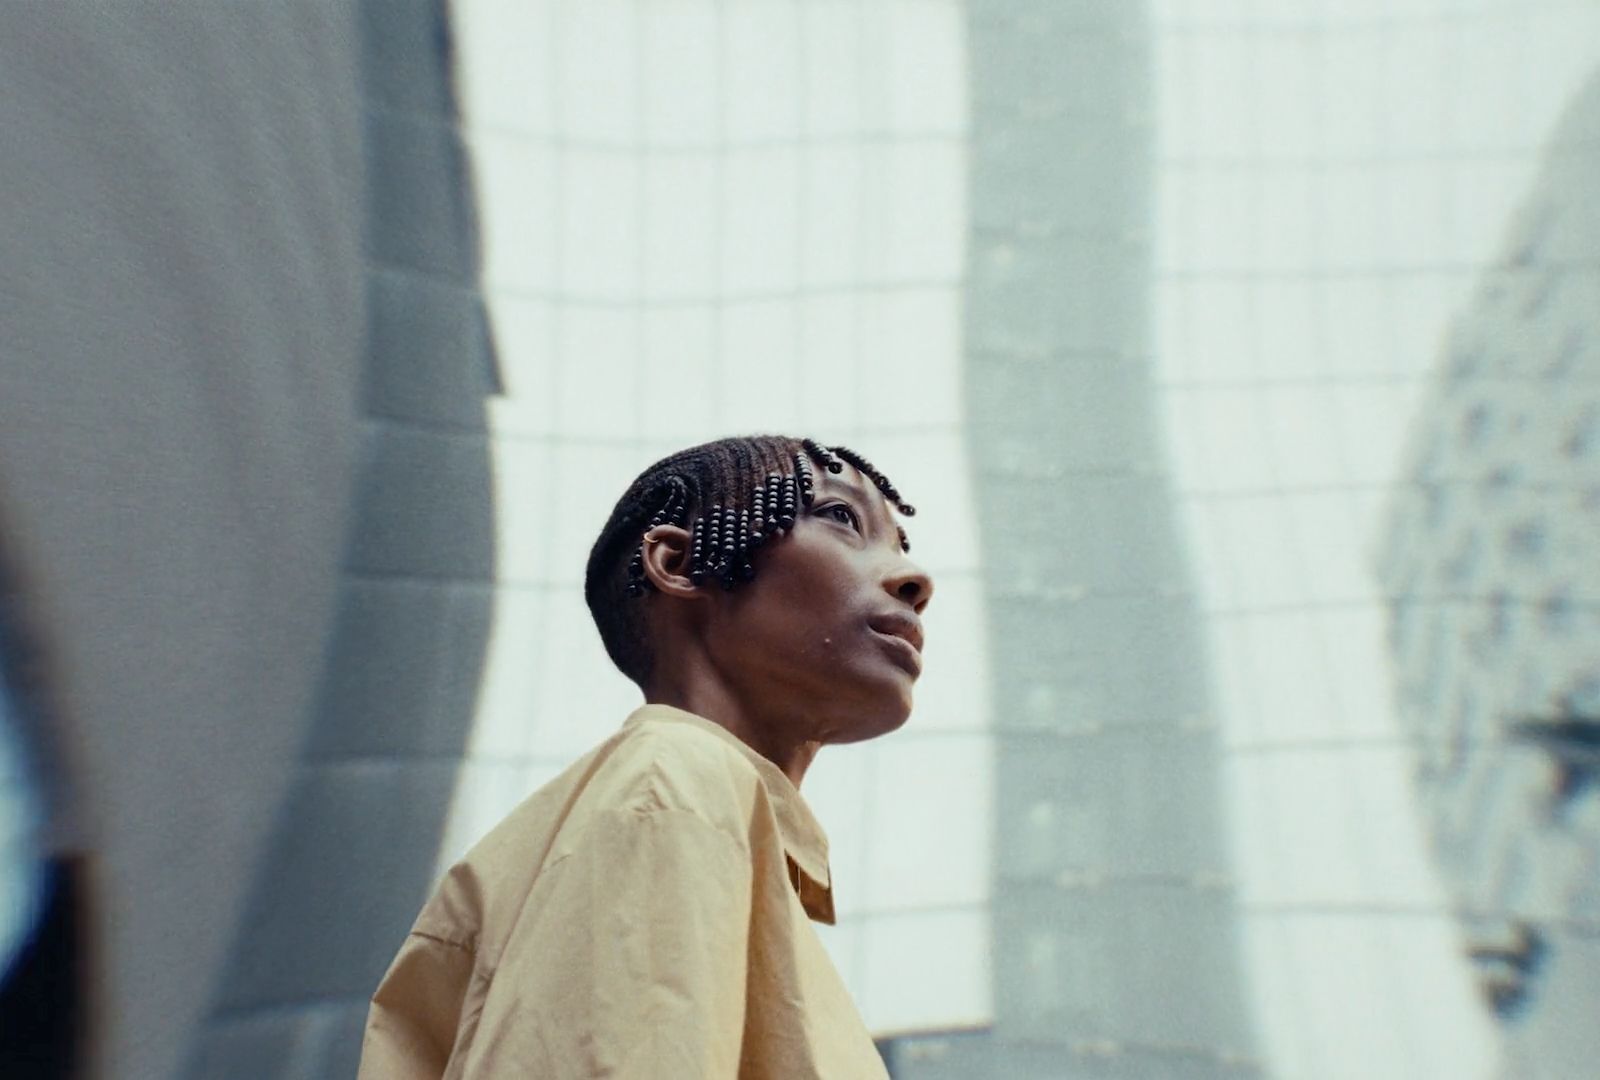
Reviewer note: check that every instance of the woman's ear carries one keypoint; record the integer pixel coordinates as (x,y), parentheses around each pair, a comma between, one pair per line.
(666,562)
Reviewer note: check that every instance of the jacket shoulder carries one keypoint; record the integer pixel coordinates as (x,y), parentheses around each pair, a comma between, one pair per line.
(673,766)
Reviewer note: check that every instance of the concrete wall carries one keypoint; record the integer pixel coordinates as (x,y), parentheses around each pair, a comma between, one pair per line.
(352,850)
(1114,919)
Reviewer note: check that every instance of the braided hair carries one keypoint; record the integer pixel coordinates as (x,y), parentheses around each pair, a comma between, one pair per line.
(733,495)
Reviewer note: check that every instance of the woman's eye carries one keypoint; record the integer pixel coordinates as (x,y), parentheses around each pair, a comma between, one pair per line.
(841,513)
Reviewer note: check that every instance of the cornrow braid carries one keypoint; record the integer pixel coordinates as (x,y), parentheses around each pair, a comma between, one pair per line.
(807,481)
(787,498)
(732,496)
(713,523)
(824,455)
(774,502)
(674,512)
(697,560)
(758,516)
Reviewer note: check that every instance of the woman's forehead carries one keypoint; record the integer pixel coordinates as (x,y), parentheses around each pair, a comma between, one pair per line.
(851,482)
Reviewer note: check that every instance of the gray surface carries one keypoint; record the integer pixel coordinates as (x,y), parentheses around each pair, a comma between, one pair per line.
(342,873)
(1130,802)
(1115,525)
(420,207)
(353,849)
(421,506)
(1115,925)
(1096,658)
(181,287)
(404,667)
(1136,957)
(317,1042)
(431,350)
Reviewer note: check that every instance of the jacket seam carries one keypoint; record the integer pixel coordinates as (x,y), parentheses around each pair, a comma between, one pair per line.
(469,946)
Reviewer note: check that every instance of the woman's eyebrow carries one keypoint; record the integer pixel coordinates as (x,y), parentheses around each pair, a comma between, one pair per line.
(863,496)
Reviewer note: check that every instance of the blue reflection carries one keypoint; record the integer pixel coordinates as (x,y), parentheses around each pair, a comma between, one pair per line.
(21,864)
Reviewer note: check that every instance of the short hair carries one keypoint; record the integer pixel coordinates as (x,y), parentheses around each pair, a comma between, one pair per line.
(733,495)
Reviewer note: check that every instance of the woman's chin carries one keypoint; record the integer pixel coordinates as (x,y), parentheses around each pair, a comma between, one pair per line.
(888,714)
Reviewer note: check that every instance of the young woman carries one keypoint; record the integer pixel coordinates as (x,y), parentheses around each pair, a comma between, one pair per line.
(646,914)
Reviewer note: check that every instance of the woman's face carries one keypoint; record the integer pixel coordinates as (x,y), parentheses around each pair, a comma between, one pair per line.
(830,626)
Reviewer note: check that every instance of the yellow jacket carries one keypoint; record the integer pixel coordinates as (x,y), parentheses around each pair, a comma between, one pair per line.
(645,914)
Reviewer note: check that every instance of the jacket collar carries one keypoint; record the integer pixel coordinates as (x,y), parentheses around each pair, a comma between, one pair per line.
(804,842)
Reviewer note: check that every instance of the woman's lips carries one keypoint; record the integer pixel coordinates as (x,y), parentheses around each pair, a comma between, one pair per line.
(902,652)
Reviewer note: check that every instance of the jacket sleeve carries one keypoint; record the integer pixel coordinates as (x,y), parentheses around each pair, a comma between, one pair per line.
(411,1025)
(628,960)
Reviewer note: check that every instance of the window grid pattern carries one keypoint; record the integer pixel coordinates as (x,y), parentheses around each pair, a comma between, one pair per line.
(705,218)
(1331,184)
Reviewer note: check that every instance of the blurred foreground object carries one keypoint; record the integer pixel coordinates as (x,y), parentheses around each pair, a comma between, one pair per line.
(182,292)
